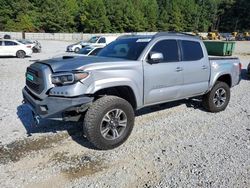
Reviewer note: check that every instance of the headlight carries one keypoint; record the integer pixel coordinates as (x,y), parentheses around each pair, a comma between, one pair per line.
(68,78)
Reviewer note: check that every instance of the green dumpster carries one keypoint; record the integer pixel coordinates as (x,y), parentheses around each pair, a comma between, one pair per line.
(220,48)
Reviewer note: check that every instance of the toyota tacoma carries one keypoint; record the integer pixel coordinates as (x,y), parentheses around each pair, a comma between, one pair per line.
(129,74)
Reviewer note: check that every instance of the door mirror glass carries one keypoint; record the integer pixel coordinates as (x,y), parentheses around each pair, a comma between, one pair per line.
(155,57)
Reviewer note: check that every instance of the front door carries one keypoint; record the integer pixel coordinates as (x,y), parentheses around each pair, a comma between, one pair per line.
(163,81)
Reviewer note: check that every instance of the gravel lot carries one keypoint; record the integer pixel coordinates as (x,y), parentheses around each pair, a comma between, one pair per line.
(173,145)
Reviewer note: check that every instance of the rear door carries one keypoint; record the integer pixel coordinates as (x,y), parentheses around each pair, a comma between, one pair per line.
(196,68)
(163,81)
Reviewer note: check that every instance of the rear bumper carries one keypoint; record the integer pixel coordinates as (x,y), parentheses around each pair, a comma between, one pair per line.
(54,107)
(29,52)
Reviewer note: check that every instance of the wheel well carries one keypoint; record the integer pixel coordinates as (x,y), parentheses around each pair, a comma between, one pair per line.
(124,92)
(226,78)
(20,51)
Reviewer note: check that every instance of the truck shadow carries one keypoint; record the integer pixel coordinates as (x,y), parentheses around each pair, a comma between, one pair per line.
(194,103)
(244,75)
(13,57)
(74,129)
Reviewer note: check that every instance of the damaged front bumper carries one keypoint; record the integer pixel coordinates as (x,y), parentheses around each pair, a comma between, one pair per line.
(55,107)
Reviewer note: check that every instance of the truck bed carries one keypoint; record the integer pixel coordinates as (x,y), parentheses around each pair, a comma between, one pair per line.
(222,58)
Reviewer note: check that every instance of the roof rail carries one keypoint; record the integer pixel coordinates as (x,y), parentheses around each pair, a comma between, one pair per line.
(171,33)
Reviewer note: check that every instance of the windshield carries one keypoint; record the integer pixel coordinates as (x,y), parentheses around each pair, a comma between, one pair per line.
(130,48)
(80,42)
(93,40)
(25,41)
(85,50)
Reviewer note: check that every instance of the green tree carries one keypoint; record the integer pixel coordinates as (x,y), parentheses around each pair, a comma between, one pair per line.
(125,16)
(175,16)
(57,15)
(97,16)
(18,16)
(151,15)
(92,17)
(163,18)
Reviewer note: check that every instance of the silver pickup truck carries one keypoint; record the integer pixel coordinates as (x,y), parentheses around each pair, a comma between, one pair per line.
(129,74)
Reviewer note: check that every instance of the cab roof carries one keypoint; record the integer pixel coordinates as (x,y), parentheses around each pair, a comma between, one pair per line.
(159,34)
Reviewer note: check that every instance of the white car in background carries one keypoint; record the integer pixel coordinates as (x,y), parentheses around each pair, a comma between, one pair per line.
(86,51)
(96,41)
(14,48)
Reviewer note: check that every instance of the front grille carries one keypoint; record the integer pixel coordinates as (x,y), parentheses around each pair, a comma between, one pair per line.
(37,83)
(33,86)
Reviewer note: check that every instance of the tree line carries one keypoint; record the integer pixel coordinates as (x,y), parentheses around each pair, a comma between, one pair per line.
(99,16)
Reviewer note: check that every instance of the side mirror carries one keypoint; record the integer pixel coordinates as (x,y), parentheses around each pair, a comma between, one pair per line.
(155,57)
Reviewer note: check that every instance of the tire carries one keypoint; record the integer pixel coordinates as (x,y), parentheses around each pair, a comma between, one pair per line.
(248,70)
(218,98)
(99,126)
(20,54)
(35,50)
(77,50)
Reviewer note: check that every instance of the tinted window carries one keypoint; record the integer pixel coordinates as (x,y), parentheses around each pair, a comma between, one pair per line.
(169,49)
(129,48)
(9,43)
(1,43)
(95,51)
(191,51)
(102,40)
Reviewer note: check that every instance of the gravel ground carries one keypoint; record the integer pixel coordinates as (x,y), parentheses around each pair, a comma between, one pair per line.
(174,145)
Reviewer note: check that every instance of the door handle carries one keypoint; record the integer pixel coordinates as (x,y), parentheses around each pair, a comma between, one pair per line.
(179,69)
(204,67)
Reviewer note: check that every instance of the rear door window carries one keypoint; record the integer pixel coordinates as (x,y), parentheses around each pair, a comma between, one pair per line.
(191,50)
(10,43)
(169,49)
(1,43)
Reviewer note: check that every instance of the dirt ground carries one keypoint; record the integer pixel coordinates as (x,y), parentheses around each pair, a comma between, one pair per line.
(174,145)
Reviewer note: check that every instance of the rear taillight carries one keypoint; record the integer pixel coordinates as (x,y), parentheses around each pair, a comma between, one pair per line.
(28,46)
(240,67)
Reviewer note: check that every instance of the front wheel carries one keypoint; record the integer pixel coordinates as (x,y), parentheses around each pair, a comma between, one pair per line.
(218,98)
(109,122)
(77,49)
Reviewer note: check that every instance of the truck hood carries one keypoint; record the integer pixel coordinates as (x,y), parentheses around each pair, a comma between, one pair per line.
(69,63)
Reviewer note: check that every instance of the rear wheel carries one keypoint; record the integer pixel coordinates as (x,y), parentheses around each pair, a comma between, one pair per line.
(218,98)
(35,50)
(21,54)
(109,122)
(248,70)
